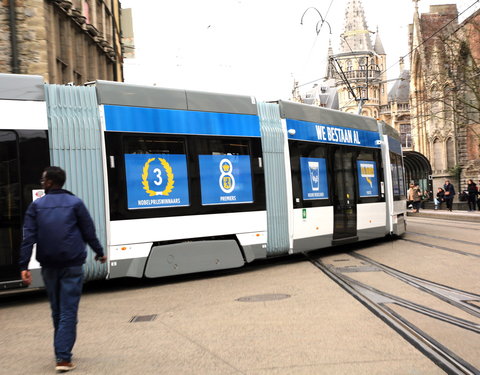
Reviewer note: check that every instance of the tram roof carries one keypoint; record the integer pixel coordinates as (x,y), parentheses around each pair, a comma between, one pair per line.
(320,115)
(390,131)
(122,94)
(22,87)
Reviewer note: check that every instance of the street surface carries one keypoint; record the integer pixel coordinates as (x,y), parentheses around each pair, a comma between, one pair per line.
(408,306)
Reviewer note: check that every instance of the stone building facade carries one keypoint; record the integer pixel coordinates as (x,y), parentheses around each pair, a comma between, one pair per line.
(64,41)
(445,92)
(356,76)
(396,112)
(360,67)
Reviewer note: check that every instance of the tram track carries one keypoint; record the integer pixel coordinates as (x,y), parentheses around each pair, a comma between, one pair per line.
(456,297)
(461,252)
(379,303)
(445,238)
(468,226)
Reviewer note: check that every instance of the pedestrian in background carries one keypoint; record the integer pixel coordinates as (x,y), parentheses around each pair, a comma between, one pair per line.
(415,196)
(440,198)
(410,196)
(478,195)
(424,198)
(449,194)
(60,225)
(472,191)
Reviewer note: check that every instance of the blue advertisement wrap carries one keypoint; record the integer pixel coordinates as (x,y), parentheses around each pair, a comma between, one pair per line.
(225,179)
(314,178)
(174,121)
(156,180)
(309,131)
(367,178)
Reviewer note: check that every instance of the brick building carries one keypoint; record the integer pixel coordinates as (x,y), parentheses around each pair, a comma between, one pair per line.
(64,41)
(445,92)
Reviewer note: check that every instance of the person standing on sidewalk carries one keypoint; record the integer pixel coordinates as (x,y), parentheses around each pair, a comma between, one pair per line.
(60,225)
(478,195)
(472,191)
(449,194)
(415,196)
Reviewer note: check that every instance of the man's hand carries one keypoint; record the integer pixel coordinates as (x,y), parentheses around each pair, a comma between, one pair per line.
(101,259)
(26,277)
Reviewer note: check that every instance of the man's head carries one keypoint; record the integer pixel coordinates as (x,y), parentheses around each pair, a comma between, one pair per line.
(447,182)
(53,178)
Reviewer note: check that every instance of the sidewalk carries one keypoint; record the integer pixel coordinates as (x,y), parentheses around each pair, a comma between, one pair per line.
(459,215)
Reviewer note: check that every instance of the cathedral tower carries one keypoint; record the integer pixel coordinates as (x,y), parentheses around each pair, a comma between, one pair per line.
(360,67)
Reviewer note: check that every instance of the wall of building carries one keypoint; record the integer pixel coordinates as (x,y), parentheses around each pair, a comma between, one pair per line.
(64,41)
(5,45)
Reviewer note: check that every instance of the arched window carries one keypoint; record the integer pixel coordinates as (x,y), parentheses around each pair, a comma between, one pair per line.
(437,155)
(450,153)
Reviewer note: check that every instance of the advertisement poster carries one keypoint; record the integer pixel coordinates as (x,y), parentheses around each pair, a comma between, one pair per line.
(367,178)
(225,179)
(156,180)
(314,178)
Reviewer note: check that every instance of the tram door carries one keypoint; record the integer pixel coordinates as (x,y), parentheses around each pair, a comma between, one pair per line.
(344,198)
(10,209)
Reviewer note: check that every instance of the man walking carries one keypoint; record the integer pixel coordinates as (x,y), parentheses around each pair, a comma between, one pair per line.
(60,225)
(449,194)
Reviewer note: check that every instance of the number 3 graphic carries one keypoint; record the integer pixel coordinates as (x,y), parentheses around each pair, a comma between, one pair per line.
(158,172)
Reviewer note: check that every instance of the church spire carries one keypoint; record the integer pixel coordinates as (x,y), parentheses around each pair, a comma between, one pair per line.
(329,72)
(356,36)
(378,48)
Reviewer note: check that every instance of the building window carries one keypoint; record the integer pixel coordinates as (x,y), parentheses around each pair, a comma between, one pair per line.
(437,155)
(450,153)
(405,134)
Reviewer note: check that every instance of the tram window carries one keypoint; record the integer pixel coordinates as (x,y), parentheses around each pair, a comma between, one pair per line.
(396,167)
(155,172)
(225,171)
(222,147)
(10,212)
(154,145)
(310,174)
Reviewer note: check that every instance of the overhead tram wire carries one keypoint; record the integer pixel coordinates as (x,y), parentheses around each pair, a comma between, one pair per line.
(317,30)
(431,36)
(450,89)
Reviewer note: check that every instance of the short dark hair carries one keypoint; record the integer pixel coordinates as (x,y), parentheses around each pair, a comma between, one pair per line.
(56,175)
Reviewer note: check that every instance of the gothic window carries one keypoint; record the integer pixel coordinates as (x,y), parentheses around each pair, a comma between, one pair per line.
(405,134)
(450,153)
(437,155)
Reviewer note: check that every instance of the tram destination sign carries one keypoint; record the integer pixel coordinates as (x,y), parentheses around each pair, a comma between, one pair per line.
(309,131)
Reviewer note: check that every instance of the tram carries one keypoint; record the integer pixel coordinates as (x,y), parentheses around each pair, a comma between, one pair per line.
(182,181)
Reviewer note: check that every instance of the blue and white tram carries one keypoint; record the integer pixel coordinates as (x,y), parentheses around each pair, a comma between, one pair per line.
(182,181)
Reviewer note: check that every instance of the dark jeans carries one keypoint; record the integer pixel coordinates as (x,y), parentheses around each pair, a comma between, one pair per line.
(64,288)
(472,202)
(449,202)
(416,205)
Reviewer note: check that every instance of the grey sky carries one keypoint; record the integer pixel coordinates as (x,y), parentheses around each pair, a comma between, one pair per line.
(253,47)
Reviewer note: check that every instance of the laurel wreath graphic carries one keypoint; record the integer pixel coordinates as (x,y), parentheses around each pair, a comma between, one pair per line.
(168,170)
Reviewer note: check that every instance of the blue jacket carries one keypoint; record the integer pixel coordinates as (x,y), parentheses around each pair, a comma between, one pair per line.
(60,225)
